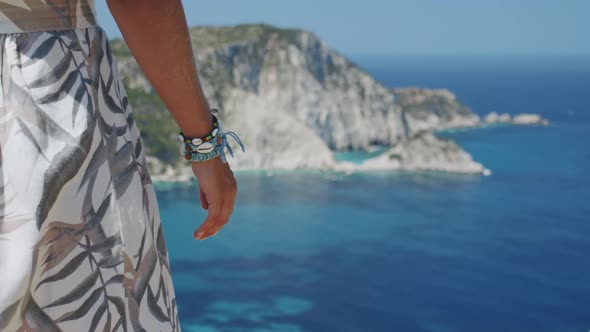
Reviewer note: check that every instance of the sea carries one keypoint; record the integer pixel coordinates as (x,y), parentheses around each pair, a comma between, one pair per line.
(399,251)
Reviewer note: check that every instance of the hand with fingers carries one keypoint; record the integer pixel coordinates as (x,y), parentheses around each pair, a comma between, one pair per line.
(218,189)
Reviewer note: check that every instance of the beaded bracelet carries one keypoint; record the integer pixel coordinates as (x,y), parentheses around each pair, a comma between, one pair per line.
(201,149)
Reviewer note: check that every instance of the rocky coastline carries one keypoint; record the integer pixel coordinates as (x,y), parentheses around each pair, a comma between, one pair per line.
(294,102)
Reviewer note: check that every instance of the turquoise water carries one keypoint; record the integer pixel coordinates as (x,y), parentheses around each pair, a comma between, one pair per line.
(358,156)
(408,252)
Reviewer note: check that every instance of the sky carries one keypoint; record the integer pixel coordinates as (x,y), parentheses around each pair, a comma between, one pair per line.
(409,27)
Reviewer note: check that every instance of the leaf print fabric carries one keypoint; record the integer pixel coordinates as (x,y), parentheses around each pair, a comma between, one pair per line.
(41,15)
(81,243)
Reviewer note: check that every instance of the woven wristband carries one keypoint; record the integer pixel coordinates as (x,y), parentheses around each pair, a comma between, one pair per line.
(200,149)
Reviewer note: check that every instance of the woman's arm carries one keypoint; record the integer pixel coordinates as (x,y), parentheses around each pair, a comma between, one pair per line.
(157,35)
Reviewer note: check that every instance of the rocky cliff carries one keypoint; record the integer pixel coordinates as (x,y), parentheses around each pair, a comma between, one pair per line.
(433,109)
(293,101)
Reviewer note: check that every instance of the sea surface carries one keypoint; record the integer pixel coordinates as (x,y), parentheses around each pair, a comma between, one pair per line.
(308,251)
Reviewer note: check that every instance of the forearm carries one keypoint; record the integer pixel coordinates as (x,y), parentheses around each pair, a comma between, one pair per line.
(157,35)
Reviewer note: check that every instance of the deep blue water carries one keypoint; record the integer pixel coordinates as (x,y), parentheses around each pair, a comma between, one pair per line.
(411,252)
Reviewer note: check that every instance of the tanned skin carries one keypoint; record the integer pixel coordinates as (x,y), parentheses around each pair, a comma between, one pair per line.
(157,34)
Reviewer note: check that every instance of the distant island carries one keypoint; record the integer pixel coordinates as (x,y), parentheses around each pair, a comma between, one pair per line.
(294,102)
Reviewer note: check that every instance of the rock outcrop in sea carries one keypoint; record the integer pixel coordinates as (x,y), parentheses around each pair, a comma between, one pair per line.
(421,152)
(294,101)
(518,119)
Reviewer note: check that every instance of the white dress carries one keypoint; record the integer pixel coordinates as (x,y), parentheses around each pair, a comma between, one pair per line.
(81,244)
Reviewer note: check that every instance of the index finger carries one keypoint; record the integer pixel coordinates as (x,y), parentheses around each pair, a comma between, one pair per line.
(226,211)
(213,216)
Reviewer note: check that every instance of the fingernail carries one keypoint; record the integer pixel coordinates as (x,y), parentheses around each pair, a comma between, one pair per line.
(198,235)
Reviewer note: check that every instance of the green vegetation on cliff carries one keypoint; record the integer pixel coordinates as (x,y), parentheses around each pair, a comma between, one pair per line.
(218,36)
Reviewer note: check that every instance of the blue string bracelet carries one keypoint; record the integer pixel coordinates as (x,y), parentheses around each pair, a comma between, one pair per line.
(199,149)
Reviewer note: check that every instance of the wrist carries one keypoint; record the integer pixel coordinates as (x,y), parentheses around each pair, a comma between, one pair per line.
(201,149)
(203,126)
(206,163)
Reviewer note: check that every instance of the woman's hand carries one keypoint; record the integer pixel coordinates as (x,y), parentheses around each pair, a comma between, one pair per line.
(218,189)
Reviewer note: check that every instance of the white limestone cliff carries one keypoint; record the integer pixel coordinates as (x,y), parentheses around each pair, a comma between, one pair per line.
(433,109)
(424,152)
(294,101)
